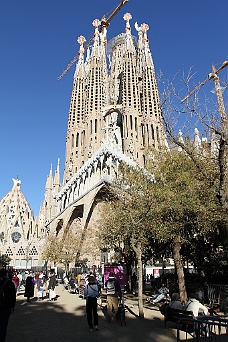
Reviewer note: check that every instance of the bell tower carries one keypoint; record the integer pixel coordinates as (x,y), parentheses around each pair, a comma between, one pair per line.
(114,98)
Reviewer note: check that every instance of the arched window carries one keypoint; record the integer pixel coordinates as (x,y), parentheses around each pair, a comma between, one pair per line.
(72,141)
(77,139)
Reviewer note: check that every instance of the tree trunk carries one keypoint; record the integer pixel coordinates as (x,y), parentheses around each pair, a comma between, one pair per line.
(223,164)
(140,283)
(176,246)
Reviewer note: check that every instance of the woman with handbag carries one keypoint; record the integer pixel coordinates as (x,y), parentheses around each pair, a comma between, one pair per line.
(91,294)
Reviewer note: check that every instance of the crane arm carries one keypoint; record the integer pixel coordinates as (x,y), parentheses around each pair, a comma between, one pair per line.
(211,75)
(104,23)
(224,64)
(194,90)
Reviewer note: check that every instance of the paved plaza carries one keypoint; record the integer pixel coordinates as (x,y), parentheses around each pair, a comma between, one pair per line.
(65,321)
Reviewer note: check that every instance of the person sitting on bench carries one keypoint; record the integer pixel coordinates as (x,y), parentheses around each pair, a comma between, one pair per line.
(194,305)
(175,302)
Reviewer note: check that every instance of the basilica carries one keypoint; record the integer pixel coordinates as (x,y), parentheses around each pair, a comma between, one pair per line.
(114,117)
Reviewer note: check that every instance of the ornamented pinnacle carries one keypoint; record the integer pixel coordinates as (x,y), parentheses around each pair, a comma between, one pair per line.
(127,17)
(16,184)
(96,23)
(81,40)
(145,28)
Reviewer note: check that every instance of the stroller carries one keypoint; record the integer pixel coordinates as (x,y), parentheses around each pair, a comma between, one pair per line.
(81,288)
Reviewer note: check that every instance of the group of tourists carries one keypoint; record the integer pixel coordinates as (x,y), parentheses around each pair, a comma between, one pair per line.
(91,284)
(43,283)
(10,285)
(45,286)
(76,283)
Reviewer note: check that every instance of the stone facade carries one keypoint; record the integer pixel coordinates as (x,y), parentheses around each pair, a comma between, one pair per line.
(20,239)
(114,117)
(116,100)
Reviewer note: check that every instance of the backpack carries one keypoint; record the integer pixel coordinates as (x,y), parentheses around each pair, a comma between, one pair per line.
(2,296)
(111,287)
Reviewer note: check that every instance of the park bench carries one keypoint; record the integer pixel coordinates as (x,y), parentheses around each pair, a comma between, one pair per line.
(174,315)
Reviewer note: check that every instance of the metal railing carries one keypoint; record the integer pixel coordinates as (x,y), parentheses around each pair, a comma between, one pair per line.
(205,329)
(215,291)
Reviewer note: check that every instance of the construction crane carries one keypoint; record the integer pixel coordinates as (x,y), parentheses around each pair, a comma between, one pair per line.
(213,75)
(104,24)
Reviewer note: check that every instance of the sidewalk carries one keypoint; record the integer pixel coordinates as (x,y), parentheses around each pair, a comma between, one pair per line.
(65,321)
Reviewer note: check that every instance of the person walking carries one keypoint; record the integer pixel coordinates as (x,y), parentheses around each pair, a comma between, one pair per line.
(51,286)
(91,294)
(15,280)
(29,287)
(114,294)
(20,280)
(8,300)
(99,282)
(40,286)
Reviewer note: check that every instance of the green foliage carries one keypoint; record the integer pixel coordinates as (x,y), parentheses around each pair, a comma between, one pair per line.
(149,212)
(61,249)
(128,220)
(186,205)
(4,259)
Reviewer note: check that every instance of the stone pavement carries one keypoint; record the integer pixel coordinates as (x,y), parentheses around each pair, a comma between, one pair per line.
(65,321)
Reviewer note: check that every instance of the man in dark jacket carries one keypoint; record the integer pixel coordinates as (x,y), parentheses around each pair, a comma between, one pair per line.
(114,293)
(51,286)
(7,303)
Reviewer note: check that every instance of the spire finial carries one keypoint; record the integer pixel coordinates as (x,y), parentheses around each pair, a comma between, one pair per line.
(96,23)
(81,40)
(50,172)
(16,183)
(127,17)
(145,28)
(58,165)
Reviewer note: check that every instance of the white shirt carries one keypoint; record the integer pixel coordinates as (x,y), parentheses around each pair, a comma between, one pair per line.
(194,305)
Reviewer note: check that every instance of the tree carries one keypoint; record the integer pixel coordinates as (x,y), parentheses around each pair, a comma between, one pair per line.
(4,260)
(169,207)
(69,247)
(28,252)
(186,206)
(124,219)
(52,249)
(61,249)
(212,119)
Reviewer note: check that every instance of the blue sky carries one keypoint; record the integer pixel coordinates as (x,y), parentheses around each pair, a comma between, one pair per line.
(38,38)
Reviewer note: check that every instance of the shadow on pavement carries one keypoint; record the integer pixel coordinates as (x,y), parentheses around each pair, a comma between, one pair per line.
(65,321)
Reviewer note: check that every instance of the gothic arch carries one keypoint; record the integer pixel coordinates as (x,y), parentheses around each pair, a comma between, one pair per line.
(90,224)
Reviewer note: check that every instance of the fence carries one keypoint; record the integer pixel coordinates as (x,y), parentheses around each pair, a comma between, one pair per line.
(216,293)
(206,329)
